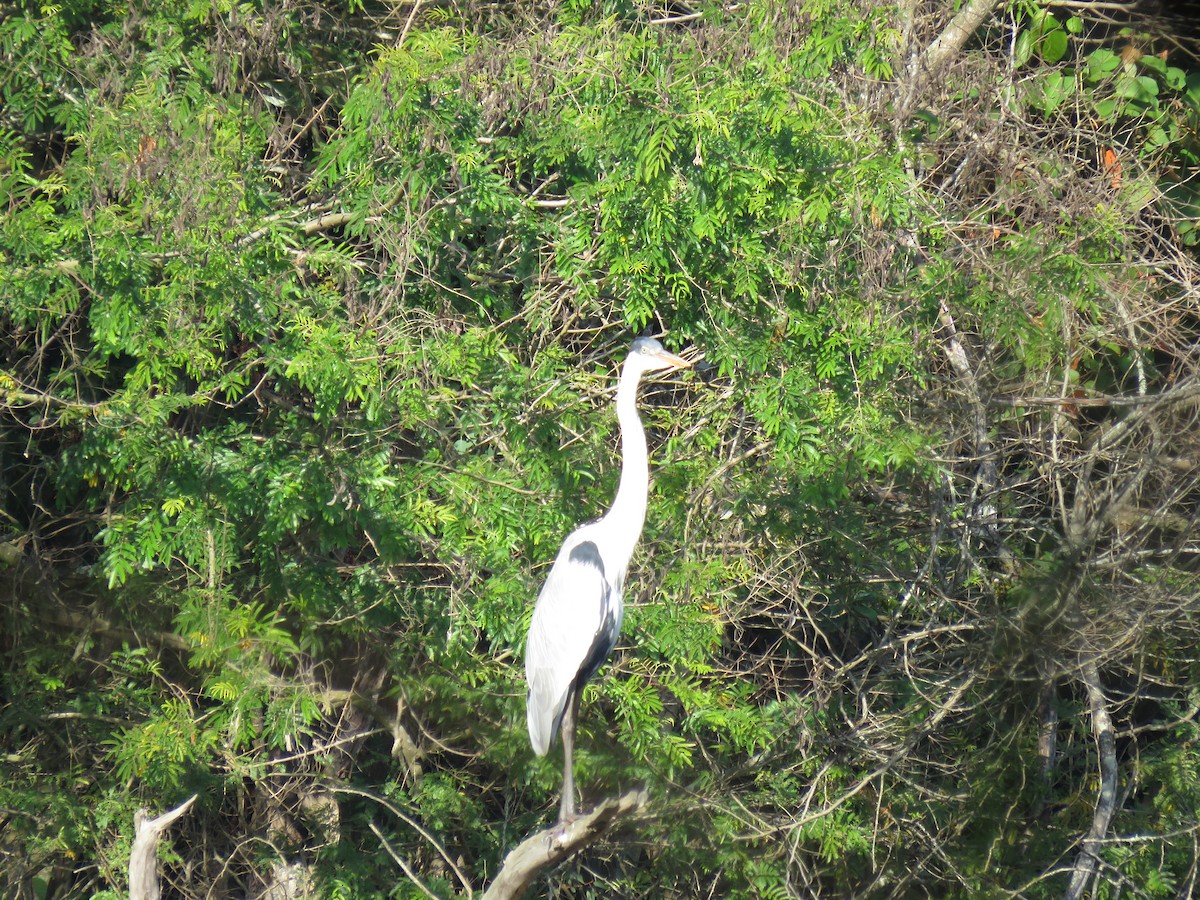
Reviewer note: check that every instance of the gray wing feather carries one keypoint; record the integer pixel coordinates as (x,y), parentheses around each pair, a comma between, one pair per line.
(572,609)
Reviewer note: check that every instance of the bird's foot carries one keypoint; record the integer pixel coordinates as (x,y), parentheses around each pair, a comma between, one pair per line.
(567,814)
(561,832)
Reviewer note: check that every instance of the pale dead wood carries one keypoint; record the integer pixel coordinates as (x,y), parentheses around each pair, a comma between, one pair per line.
(926,65)
(955,35)
(143,858)
(983,508)
(1106,802)
(558,842)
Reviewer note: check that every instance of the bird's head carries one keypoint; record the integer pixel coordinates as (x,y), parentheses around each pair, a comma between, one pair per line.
(648,355)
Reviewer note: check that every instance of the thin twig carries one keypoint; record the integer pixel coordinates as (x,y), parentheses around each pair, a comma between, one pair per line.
(412,876)
(412,14)
(390,807)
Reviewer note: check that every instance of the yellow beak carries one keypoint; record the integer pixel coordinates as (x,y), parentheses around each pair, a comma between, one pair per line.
(671,362)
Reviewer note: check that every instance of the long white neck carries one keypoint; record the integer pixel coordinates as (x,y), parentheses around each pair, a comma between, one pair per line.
(628,512)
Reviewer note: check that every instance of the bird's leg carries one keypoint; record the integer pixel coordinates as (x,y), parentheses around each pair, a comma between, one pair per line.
(566,809)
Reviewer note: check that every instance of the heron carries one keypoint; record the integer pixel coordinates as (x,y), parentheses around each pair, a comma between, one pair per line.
(578,613)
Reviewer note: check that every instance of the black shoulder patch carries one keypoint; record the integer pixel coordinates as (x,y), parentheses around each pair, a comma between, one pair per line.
(588,554)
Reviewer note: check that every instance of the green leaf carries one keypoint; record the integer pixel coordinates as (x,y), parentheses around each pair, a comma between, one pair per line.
(1140,89)
(1053,46)
(1057,87)
(1107,109)
(1023,51)
(1175,78)
(1042,23)
(1100,64)
(1153,63)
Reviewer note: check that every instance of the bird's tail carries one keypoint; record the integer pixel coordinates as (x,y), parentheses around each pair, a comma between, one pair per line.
(543,715)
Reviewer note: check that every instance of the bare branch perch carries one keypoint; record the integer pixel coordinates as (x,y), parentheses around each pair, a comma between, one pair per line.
(554,844)
(143,858)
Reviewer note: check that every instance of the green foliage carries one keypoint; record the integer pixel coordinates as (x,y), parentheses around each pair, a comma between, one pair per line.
(1046,36)
(1138,95)
(306,372)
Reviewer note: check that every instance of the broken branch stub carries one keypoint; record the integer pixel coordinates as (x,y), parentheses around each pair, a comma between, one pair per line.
(143,858)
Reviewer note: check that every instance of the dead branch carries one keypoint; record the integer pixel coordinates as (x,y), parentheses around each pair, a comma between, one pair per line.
(983,504)
(927,64)
(87,623)
(1048,732)
(955,35)
(552,845)
(143,858)
(1102,729)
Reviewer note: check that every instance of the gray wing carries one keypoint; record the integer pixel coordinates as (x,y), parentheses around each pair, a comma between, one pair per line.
(574,622)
